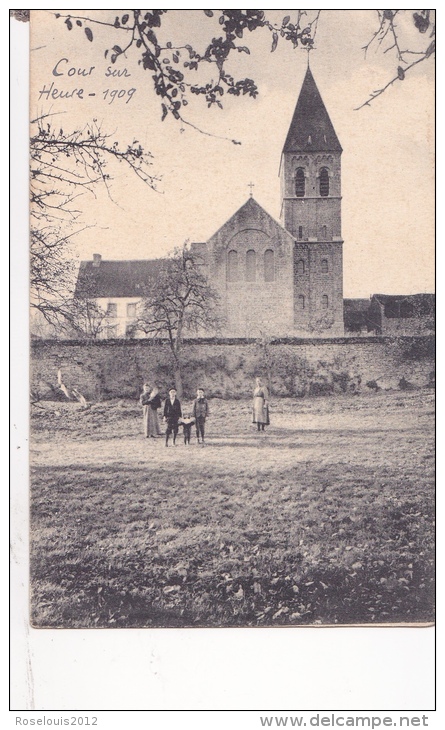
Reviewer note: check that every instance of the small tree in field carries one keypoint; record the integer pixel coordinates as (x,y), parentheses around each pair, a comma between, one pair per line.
(177,303)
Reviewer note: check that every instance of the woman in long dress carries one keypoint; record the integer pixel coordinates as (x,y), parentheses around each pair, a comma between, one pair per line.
(260,405)
(150,401)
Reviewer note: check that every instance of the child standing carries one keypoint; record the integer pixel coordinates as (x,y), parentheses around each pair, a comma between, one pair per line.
(186,422)
(200,413)
(172,414)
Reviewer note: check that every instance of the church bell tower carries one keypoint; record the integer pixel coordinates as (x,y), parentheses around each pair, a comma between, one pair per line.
(311,212)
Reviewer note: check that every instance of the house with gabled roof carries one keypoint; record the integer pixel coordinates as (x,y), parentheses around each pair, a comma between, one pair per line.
(404,314)
(273,278)
(117,287)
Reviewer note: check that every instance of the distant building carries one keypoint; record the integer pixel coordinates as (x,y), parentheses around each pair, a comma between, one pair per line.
(356,316)
(117,287)
(412,314)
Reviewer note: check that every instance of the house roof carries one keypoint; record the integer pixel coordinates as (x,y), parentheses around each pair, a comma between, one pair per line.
(356,305)
(116,278)
(395,305)
(389,298)
(311,129)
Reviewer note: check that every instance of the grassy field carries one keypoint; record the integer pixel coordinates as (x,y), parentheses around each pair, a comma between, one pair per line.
(326,518)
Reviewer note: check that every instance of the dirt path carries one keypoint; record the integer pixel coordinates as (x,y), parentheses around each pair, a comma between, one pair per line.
(325,431)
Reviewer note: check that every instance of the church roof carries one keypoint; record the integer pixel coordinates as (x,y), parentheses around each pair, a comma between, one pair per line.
(311,129)
(116,278)
(250,214)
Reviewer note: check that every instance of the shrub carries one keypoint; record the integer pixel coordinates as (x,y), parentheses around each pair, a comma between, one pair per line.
(372,384)
(321,388)
(405,384)
(418,348)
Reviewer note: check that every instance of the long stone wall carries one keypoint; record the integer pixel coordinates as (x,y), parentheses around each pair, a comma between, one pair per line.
(226,368)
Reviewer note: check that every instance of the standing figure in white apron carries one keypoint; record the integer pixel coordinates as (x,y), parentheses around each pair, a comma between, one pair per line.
(260,405)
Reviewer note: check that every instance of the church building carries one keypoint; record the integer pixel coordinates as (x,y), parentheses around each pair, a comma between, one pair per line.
(273,278)
(286,278)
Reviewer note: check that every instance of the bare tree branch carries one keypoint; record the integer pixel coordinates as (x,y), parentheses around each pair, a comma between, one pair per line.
(400,77)
(179,302)
(389,28)
(63,166)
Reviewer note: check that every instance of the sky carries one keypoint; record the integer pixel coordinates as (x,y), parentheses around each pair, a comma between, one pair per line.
(388,147)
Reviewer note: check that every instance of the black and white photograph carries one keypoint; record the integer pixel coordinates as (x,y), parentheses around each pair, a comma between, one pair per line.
(232,319)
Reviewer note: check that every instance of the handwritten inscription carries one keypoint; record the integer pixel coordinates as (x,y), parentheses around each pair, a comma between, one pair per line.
(64,67)
(60,69)
(112,94)
(116,72)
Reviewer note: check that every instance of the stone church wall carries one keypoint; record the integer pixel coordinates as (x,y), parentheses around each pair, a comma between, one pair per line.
(315,223)
(253,307)
(109,369)
(313,282)
(312,211)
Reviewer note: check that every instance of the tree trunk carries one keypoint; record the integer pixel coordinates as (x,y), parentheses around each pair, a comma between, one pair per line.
(178,378)
(177,361)
(268,362)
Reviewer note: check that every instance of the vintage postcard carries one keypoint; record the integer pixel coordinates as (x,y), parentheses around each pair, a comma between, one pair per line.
(232,318)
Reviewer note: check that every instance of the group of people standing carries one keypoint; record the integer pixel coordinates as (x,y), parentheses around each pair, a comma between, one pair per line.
(151,402)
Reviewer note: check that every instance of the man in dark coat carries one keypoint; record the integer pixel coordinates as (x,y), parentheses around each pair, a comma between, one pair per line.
(172,414)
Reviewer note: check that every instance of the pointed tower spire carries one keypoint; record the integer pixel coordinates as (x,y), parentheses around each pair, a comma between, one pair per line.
(311,129)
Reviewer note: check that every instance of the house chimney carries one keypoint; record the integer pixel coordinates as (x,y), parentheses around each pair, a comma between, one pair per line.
(97,258)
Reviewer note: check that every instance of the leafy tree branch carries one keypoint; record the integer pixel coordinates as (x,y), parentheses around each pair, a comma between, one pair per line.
(175,68)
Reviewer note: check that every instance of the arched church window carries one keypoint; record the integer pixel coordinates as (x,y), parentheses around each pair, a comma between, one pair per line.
(269,266)
(325,302)
(301,301)
(301,267)
(300,232)
(324,233)
(324,182)
(232,266)
(300,183)
(251,265)
(324,266)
